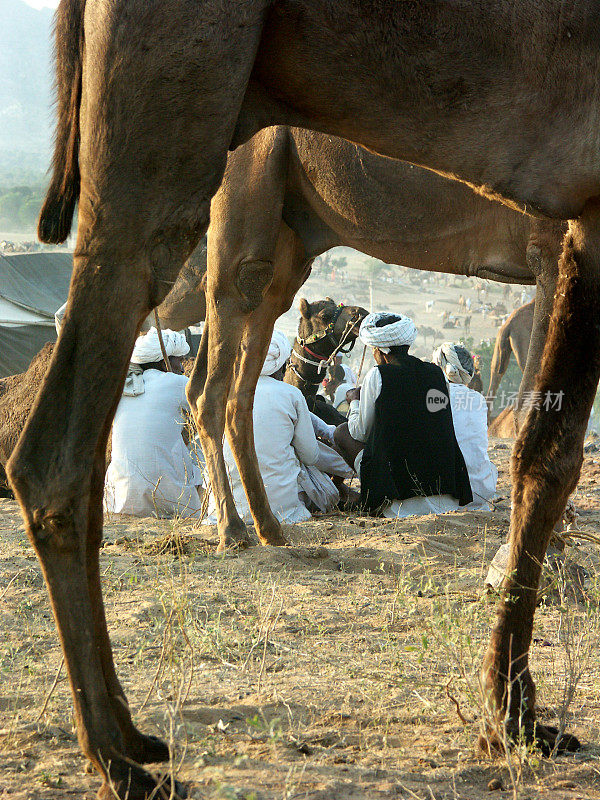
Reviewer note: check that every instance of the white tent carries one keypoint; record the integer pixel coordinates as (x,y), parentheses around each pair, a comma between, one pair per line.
(32,287)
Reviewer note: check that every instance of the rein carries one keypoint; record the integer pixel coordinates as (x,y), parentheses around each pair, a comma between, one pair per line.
(318,361)
(161,342)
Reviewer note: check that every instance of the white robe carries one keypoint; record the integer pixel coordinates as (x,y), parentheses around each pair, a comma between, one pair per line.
(469,414)
(151,473)
(287,452)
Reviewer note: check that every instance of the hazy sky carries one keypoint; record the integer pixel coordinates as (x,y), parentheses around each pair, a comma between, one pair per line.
(42,3)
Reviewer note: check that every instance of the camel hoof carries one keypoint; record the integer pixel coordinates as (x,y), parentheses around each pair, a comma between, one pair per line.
(544,737)
(275,539)
(128,782)
(234,539)
(146,749)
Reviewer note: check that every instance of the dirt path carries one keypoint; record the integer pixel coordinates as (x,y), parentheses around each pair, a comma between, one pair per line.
(318,671)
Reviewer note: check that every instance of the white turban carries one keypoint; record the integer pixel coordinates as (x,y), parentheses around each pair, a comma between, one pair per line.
(399,331)
(147,347)
(456,371)
(59,315)
(279,352)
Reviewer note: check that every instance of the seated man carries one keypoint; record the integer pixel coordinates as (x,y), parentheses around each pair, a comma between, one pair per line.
(151,472)
(337,386)
(349,374)
(288,453)
(469,414)
(399,433)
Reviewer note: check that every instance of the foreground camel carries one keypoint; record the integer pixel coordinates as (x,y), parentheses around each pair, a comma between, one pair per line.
(513,337)
(147,111)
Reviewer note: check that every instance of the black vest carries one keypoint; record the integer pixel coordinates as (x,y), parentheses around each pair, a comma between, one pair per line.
(412,448)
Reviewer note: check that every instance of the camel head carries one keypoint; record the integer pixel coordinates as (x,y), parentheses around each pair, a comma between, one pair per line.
(324,324)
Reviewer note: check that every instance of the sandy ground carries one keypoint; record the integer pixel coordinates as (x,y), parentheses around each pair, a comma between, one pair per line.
(318,671)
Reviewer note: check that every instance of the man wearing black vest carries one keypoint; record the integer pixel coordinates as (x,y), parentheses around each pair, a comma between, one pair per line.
(399,436)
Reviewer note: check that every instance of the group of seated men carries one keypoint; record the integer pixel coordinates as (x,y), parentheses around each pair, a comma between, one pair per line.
(416,435)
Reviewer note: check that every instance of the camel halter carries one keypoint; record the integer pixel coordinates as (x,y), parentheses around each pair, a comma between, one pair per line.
(318,361)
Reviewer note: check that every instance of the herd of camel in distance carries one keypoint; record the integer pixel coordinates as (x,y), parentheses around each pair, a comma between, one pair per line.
(169,114)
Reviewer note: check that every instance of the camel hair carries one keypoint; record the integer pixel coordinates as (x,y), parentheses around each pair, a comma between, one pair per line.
(151,97)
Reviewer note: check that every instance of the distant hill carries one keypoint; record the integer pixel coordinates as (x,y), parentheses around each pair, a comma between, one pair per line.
(26,115)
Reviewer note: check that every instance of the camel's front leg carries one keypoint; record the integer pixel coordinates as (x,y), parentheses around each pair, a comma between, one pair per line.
(545,469)
(207,393)
(51,471)
(137,746)
(290,272)
(500,362)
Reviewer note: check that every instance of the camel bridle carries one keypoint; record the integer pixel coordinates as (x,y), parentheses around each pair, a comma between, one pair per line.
(320,361)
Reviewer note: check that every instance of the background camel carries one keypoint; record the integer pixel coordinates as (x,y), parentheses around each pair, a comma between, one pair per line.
(513,337)
(501,96)
(324,329)
(17,394)
(292,194)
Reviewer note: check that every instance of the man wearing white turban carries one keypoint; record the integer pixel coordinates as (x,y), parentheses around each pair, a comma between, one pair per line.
(151,472)
(469,414)
(399,433)
(288,452)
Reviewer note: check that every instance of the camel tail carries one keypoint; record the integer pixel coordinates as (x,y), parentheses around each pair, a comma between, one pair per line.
(56,216)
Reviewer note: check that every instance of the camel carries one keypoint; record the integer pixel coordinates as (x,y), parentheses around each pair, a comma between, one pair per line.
(513,337)
(17,394)
(324,329)
(148,108)
(503,426)
(329,192)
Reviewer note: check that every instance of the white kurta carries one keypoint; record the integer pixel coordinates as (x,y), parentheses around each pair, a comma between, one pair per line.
(151,472)
(286,446)
(469,413)
(349,375)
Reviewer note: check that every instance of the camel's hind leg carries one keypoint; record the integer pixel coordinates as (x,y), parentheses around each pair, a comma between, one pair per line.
(290,272)
(137,746)
(545,469)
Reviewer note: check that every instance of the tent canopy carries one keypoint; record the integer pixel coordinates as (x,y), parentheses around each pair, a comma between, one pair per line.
(32,287)
(37,282)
